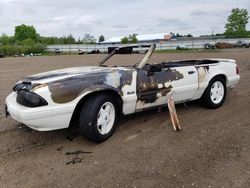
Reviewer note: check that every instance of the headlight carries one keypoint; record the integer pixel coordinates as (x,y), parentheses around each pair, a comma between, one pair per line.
(22,85)
(30,99)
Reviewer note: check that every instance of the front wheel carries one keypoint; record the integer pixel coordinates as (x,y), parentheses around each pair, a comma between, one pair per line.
(215,94)
(98,117)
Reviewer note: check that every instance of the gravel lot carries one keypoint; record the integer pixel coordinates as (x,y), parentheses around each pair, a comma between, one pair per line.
(212,150)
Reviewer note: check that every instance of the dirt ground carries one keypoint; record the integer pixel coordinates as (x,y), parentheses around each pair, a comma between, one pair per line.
(212,150)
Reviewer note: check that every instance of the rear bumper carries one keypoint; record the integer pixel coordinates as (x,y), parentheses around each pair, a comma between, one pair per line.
(232,81)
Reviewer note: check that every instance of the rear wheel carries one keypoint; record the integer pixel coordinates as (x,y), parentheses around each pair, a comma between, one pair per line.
(98,117)
(215,94)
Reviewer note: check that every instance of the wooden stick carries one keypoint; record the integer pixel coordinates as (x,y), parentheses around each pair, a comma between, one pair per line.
(173,114)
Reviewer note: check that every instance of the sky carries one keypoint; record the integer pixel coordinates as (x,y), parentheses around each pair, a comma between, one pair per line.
(113,18)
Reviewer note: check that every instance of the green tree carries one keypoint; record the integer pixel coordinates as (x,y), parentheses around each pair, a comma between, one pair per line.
(5,39)
(87,38)
(124,40)
(71,39)
(50,40)
(28,42)
(23,32)
(189,35)
(79,41)
(25,41)
(179,35)
(129,39)
(133,38)
(101,38)
(219,34)
(236,23)
(67,40)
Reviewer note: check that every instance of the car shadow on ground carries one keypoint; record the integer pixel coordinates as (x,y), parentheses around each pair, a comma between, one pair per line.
(32,139)
(148,114)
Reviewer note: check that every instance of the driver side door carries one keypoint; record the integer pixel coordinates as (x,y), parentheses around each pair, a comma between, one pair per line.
(153,87)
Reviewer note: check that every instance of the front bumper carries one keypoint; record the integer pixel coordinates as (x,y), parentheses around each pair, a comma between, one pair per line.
(44,118)
(6,111)
(39,118)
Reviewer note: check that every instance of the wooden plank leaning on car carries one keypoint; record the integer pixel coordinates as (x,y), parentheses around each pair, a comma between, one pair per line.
(173,114)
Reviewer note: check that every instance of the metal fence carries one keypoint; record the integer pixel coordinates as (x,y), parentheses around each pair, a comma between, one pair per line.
(168,45)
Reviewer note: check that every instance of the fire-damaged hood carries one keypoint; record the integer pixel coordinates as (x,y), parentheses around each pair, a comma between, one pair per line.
(67,84)
(57,75)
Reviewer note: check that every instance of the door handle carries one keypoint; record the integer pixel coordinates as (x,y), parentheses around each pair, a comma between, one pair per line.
(191,72)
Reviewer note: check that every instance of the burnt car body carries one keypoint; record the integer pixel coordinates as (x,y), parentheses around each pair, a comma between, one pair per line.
(92,96)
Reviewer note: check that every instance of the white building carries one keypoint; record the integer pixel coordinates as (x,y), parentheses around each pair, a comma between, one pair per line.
(157,37)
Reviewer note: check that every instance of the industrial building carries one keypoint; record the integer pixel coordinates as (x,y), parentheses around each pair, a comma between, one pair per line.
(148,38)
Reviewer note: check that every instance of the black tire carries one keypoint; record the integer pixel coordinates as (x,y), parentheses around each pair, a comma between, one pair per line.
(206,97)
(88,117)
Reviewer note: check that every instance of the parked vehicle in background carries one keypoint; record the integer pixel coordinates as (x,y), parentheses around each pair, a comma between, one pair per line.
(209,46)
(141,49)
(95,51)
(1,55)
(81,52)
(223,45)
(242,44)
(57,51)
(128,50)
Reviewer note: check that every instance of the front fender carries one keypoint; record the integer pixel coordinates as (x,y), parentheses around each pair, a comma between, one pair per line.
(96,88)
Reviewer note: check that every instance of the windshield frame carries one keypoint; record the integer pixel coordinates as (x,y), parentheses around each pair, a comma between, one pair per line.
(143,61)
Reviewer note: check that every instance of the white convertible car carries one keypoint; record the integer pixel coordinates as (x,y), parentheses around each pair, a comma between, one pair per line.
(91,98)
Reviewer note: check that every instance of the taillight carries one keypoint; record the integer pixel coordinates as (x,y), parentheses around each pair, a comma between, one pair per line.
(237,69)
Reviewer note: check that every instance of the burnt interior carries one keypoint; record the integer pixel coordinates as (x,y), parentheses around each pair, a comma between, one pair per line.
(159,66)
(171,64)
(188,63)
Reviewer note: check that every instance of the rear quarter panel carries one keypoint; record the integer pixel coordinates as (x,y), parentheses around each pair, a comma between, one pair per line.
(225,67)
